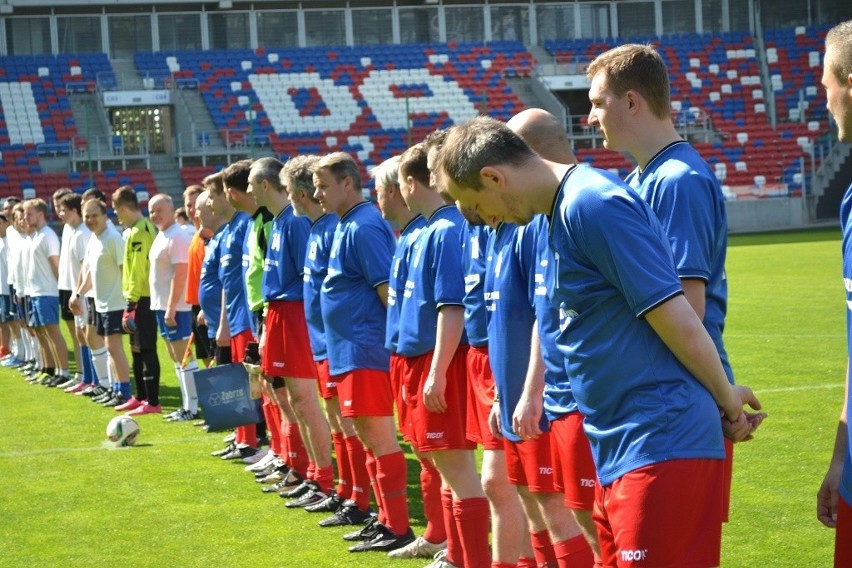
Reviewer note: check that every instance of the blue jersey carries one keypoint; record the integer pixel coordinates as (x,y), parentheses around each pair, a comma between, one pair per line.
(614,264)
(398,276)
(508,290)
(352,312)
(285,257)
(846,225)
(686,196)
(316,268)
(434,280)
(209,285)
(232,273)
(558,398)
(474,241)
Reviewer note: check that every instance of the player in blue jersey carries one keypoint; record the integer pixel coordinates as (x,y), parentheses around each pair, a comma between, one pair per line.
(209,286)
(353,300)
(547,388)
(434,347)
(834,500)
(510,542)
(652,412)
(410,224)
(285,345)
(631,106)
(351,500)
(234,324)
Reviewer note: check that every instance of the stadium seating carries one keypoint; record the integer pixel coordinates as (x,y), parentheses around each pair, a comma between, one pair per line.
(37,120)
(318,100)
(717,77)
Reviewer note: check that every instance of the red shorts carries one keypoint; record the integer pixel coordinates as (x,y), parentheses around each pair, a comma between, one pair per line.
(431,431)
(287,352)
(397,372)
(325,383)
(480,398)
(666,515)
(574,472)
(364,392)
(528,464)
(843,535)
(727,477)
(239,343)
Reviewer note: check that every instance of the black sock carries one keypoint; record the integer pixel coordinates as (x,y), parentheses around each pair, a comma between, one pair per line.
(151,363)
(139,376)
(49,371)
(152,388)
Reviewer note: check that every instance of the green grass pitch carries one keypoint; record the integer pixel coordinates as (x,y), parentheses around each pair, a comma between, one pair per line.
(68,501)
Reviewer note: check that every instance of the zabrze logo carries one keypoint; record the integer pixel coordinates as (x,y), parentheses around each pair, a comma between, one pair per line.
(224,397)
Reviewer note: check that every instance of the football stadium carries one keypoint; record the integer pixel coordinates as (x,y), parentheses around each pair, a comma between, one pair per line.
(429,283)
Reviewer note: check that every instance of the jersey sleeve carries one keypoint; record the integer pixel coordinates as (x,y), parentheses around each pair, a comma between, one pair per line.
(447,266)
(373,254)
(297,242)
(623,239)
(685,205)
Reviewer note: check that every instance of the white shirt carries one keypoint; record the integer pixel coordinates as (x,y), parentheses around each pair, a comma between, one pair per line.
(13,242)
(104,257)
(4,267)
(40,280)
(77,250)
(66,282)
(23,264)
(170,247)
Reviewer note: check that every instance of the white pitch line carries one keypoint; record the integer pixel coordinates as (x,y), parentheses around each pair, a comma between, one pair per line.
(104,446)
(800,388)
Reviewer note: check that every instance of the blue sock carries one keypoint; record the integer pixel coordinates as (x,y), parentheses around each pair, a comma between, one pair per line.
(124,389)
(88,371)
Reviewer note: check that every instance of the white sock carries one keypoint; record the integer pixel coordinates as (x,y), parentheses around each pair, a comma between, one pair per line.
(191,400)
(182,385)
(101,364)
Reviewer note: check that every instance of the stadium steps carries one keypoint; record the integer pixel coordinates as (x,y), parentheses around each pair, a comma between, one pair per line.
(201,118)
(87,107)
(127,74)
(829,202)
(166,174)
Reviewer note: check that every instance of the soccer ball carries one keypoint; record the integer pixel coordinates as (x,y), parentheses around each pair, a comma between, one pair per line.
(123,430)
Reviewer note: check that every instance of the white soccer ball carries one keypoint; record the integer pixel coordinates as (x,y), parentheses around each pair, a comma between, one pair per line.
(123,430)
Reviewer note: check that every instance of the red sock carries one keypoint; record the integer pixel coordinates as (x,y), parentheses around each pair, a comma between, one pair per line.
(298,455)
(454,546)
(527,562)
(344,471)
(359,474)
(312,470)
(324,476)
(273,423)
(246,435)
(574,553)
(543,548)
(497,564)
(391,477)
(371,471)
(433,509)
(473,519)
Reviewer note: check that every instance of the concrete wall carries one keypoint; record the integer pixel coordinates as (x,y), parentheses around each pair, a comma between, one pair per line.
(765,214)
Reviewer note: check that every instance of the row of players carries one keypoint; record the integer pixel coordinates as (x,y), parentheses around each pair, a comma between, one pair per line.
(577,337)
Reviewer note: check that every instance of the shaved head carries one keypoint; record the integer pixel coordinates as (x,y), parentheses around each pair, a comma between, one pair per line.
(544,133)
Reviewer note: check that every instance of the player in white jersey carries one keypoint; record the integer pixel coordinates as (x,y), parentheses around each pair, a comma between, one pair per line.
(42,285)
(74,253)
(167,279)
